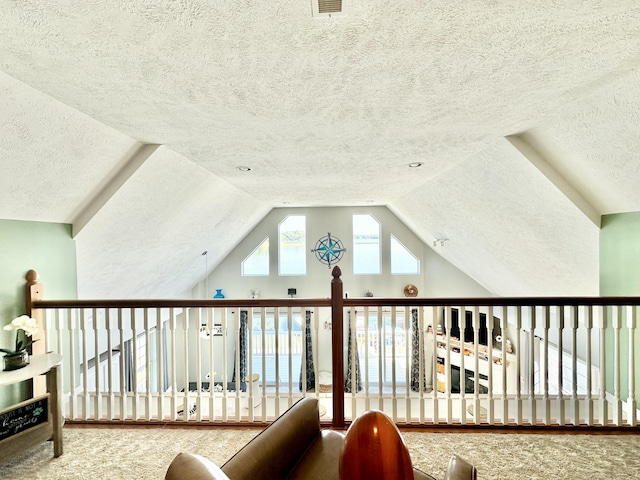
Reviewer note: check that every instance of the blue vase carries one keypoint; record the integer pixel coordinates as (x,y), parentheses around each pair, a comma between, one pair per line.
(218,293)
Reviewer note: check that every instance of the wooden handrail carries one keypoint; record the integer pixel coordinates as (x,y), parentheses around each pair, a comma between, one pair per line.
(346,302)
(166,303)
(489,301)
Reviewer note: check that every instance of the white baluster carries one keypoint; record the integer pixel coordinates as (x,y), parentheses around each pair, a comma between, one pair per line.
(160,348)
(544,370)
(422,362)
(383,367)
(505,365)
(394,322)
(533,345)
(434,363)
(96,351)
(518,365)
(588,402)
(123,374)
(602,322)
(85,367)
(491,401)
(632,312)
(290,354)
(263,326)
(174,368)
(366,359)
(408,322)
(560,370)
(617,400)
(573,325)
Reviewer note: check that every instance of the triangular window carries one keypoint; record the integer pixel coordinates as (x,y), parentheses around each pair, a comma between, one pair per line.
(402,260)
(257,263)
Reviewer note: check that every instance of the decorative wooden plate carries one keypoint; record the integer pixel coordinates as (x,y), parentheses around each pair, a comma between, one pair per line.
(410,291)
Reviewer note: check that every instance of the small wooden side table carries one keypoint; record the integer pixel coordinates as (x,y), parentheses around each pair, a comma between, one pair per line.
(18,418)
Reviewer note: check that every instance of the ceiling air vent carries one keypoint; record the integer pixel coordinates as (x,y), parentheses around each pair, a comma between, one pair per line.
(327,8)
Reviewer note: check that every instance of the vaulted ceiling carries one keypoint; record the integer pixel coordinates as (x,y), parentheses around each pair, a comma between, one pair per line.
(129,119)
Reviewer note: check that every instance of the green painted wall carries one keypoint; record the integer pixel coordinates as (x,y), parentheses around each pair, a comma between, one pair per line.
(47,248)
(620,276)
(620,255)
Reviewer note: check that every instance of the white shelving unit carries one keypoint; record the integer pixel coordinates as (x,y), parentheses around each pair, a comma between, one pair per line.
(464,356)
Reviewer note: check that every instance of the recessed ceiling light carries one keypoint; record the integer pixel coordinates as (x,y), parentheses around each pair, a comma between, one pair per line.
(244,169)
(414,164)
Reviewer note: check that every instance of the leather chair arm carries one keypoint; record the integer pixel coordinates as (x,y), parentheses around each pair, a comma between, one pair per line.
(459,469)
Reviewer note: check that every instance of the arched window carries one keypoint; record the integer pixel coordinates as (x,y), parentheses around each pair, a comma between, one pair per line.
(366,245)
(292,245)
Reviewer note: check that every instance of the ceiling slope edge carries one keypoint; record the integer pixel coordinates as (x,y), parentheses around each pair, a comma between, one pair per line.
(93,206)
(560,182)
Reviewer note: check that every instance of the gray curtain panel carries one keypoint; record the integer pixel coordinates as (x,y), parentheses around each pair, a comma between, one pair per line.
(353,344)
(165,359)
(243,347)
(127,357)
(308,365)
(415,355)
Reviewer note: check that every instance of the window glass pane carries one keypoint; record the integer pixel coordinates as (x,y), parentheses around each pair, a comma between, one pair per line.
(292,246)
(366,245)
(402,260)
(375,344)
(257,263)
(280,357)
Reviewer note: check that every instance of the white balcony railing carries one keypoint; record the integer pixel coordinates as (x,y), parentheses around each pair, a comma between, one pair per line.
(569,362)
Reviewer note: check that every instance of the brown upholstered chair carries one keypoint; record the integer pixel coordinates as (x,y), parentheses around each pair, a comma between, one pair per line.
(294,447)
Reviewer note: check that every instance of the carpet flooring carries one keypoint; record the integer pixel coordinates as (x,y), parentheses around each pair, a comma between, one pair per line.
(145,453)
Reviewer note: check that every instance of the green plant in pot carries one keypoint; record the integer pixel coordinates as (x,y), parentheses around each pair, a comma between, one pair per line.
(25,327)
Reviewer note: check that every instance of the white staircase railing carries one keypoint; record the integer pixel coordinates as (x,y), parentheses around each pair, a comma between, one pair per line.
(527,362)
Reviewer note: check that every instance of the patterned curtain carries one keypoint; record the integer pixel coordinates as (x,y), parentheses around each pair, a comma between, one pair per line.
(307,364)
(127,357)
(353,344)
(243,345)
(415,355)
(165,359)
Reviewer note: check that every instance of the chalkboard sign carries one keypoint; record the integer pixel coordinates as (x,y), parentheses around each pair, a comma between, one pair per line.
(23,417)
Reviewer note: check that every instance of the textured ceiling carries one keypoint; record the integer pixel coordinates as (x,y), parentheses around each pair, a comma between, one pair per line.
(325,111)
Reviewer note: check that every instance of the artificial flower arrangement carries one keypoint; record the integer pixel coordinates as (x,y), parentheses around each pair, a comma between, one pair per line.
(25,328)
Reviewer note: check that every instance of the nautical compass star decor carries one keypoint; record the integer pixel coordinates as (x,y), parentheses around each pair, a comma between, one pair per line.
(329,250)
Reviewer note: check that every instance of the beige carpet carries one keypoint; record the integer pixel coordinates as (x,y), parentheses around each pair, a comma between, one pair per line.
(145,453)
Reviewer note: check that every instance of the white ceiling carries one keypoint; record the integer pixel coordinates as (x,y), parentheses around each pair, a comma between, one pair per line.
(128,120)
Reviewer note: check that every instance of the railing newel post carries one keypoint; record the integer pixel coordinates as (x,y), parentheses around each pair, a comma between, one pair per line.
(34,291)
(337,347)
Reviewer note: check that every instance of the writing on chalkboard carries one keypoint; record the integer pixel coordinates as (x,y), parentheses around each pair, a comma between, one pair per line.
(23,417)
